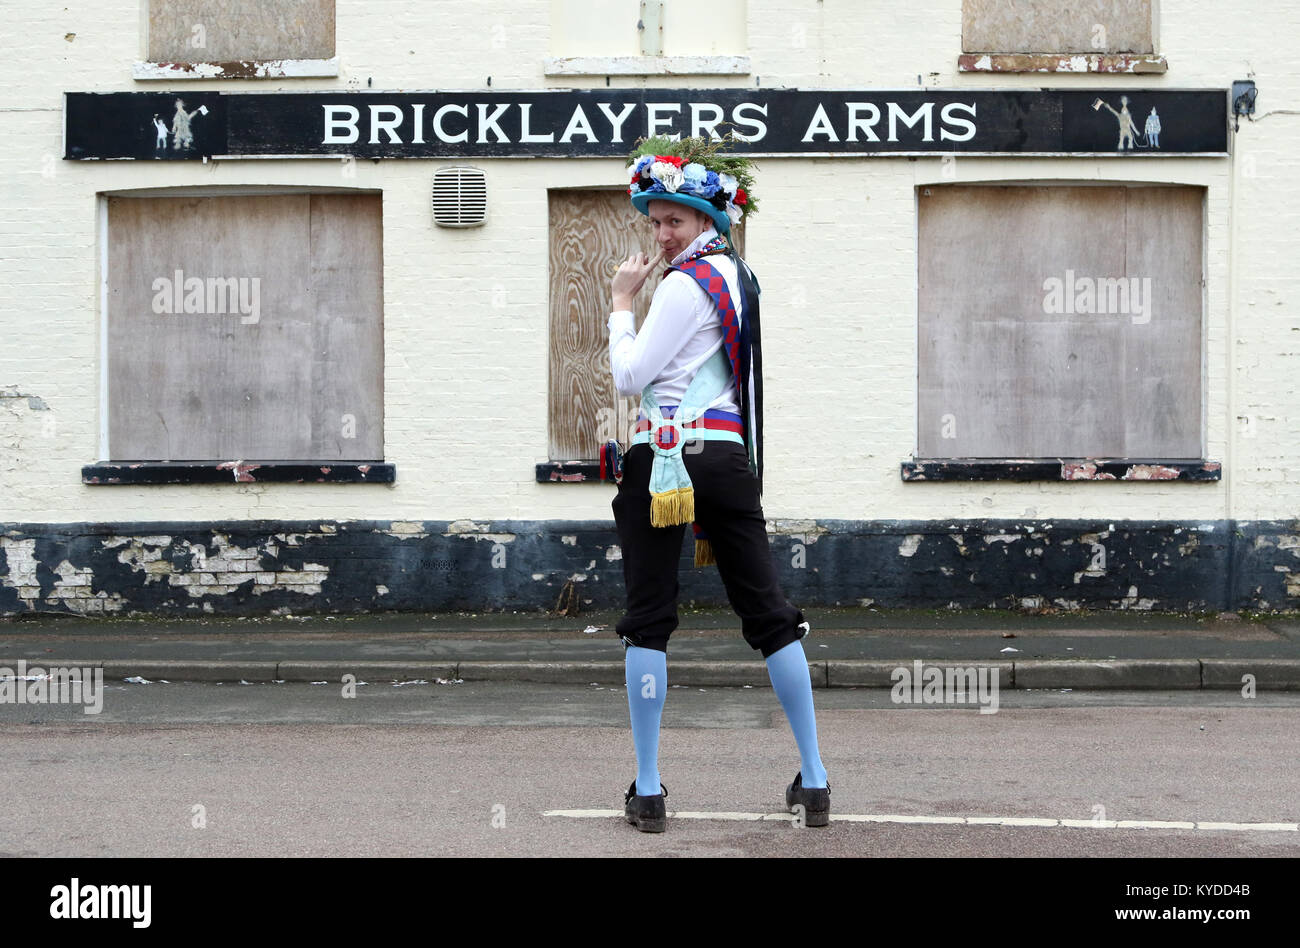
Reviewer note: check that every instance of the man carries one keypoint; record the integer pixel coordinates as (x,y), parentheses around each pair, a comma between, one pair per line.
(1127,129)
(696,454)
(160,141)
(182,133)
(1153,129)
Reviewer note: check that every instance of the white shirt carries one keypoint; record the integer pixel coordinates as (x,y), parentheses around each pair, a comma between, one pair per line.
(680,332)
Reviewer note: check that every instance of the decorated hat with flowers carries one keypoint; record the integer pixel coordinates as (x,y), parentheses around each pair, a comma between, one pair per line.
(696,172)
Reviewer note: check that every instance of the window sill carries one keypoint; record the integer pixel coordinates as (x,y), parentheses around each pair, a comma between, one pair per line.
(1058,469)
(1062,62)
(239,69)
(647,66)
(237,472)
(569,472)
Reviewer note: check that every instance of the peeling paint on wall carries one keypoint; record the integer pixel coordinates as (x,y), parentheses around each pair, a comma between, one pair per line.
(1131,600)
(807,530)
(1151,472)
(1085,471)
(20,571)
(407,528)
(909,544)
(216,574)
(1033,62)
(73,589)
(34,402)
(268,567)
(238,69)
(464,526)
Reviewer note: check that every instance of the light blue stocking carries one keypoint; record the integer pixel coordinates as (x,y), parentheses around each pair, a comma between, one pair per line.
(788,669)
(646,675)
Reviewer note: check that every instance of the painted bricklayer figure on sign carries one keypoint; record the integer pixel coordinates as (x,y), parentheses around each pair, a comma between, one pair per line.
(182,133)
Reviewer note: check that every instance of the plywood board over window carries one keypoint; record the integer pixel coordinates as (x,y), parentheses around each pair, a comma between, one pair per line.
(591,233)
(245,327)
(1057,26)
(217,31)
(1107,36)
(1060,322)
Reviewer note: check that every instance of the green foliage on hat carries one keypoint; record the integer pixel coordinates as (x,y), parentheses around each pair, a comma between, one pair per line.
(712,153)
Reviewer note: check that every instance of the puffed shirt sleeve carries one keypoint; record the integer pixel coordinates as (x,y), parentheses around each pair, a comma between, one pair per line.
(637,358)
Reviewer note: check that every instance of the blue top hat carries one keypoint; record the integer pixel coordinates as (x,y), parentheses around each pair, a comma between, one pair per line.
(665,177)
(641,201)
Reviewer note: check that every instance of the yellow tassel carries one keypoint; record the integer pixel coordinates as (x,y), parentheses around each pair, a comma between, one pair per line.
(704,553)
(672,507)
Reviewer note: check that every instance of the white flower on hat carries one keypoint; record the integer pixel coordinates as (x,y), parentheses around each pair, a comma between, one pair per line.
(734,213)
(669,175)
(729,184)
(694,174)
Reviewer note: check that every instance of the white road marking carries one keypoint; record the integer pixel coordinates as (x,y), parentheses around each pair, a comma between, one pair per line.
(1154,824)
(962,820)
(898,819)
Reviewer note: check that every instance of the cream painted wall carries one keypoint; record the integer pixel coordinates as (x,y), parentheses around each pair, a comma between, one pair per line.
(840,344)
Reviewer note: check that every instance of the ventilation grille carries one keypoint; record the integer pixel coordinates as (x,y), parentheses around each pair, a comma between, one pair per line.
(459,197)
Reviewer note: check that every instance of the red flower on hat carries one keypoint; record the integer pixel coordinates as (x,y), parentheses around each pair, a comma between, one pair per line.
(740,196)
(671,159)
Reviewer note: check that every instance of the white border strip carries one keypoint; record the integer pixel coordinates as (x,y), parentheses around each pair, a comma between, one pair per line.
(102,209)
(951,820)
(647,66)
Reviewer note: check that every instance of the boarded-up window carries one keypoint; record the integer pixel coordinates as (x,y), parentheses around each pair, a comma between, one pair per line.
(1060,322)
(245,327)
(1057,26)
(592,232)
(209,31)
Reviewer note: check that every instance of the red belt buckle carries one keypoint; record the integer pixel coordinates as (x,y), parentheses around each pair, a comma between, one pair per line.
(666,437)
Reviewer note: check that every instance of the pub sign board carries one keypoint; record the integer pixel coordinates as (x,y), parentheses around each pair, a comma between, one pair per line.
(606,122)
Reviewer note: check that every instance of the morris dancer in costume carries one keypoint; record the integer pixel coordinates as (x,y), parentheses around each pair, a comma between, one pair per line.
(696,455)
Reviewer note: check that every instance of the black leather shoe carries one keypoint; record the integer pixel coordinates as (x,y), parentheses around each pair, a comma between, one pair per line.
(645,813)
(816,801)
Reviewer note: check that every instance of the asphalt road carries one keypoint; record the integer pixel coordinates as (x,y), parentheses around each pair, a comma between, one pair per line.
(485,769)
